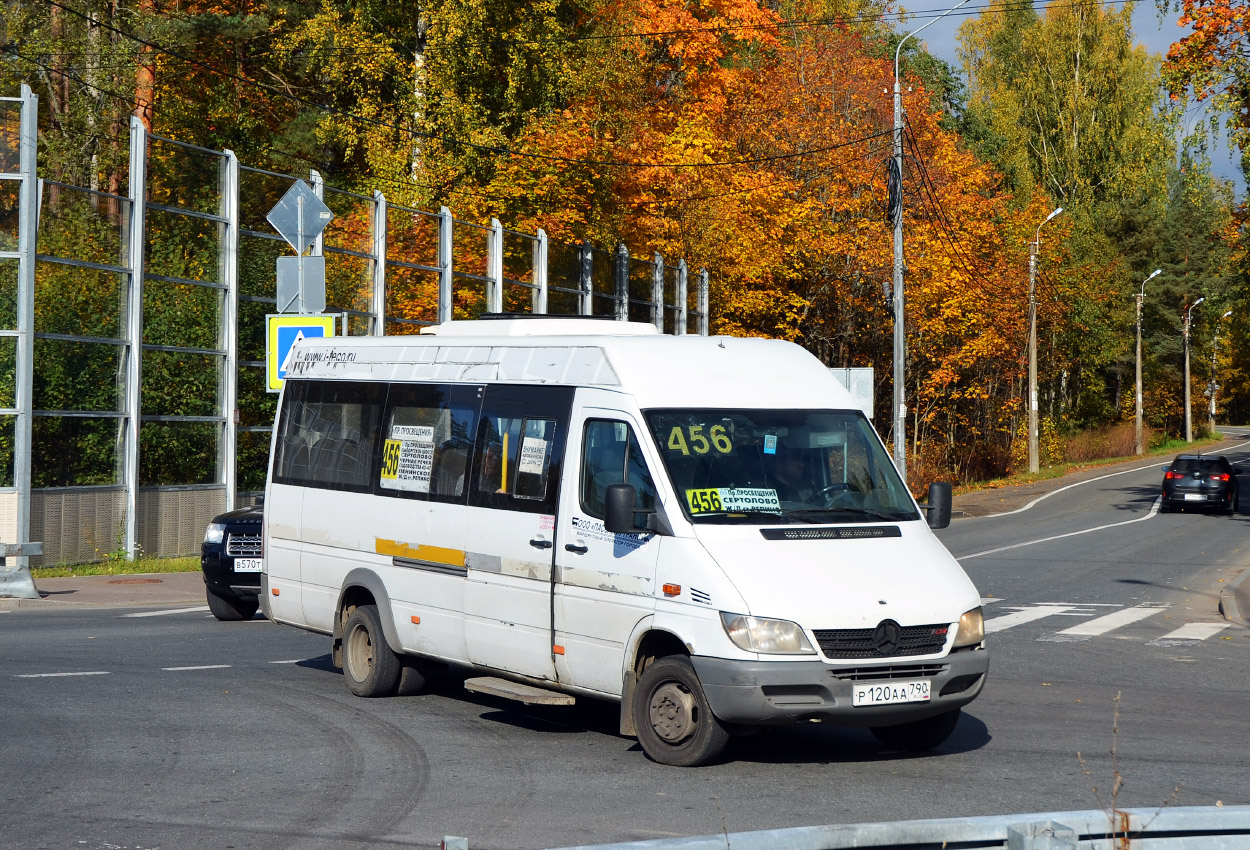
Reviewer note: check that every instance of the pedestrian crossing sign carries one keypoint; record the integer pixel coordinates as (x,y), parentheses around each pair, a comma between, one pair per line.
(282,332)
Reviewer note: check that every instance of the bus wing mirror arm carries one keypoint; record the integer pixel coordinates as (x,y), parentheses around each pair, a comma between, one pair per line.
(619,515)
(938,507)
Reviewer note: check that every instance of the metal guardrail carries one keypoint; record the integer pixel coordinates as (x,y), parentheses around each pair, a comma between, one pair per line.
(1182,828)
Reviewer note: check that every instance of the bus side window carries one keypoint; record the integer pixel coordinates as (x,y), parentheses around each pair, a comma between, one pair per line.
(328,433)
(520,443)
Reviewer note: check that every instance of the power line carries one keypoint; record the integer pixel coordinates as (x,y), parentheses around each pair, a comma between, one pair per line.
(498,150)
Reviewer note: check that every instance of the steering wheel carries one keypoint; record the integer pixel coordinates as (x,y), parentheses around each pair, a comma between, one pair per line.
(836,492)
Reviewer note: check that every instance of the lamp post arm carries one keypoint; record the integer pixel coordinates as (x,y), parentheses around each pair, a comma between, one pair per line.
(899,50)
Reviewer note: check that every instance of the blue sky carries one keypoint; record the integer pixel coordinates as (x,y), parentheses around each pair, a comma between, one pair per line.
(1148,30)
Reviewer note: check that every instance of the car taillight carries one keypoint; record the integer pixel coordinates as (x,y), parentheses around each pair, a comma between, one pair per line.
(1219,476)
(1171,474)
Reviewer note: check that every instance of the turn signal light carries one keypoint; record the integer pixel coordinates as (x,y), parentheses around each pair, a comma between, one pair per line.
(672,590)
(416,621)
(274,591)
(557,649)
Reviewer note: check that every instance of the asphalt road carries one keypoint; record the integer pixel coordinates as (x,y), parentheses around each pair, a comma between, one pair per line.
(152,729)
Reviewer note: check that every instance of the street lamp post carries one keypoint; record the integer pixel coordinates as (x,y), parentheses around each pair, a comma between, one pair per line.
(1137,445)
(1189,424)
(1212,386)
(1033,249)
(900,406)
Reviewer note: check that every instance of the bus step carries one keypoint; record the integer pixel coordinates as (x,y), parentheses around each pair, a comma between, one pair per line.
(525,694)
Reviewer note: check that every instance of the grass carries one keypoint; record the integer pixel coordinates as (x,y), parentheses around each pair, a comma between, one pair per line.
(1167,448)
(189,564)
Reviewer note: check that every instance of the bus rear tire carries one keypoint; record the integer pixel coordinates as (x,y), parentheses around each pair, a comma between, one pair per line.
(369,666)
(672,718)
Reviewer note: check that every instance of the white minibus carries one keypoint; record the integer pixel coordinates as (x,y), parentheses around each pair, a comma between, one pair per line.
(704,529)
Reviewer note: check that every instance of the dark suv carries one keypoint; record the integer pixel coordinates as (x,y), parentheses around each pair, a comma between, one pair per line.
(1200,481)
(232,560)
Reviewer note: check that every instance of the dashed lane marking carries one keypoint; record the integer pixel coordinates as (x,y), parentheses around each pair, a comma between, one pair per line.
(167,611)
(59,675)
(199,667)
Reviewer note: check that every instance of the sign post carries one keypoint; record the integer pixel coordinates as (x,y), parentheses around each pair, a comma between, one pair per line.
(299,217)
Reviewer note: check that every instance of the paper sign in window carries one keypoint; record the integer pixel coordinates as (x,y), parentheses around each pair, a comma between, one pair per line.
(408,458)
(533,456)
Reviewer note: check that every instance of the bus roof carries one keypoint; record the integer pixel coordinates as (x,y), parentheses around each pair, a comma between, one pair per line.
(657,369)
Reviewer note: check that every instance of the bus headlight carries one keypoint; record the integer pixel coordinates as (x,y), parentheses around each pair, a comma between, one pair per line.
(970,630)
(772,637)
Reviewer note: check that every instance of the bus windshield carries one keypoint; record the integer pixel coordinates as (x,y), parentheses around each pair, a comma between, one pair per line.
(779,466)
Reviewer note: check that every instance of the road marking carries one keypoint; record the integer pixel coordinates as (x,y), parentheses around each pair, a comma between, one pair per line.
(168,611)
(1189,633)
(1090,481)
(1105,623)
(59,675)
(1024,615)
(1154,509)
(200,667)
(292,661)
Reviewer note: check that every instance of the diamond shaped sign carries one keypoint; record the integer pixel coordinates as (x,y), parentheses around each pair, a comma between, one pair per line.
(300,216)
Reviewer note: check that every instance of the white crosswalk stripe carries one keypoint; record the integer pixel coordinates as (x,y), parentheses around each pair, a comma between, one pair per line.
(1107,622)
(1189,633)
(1093,626)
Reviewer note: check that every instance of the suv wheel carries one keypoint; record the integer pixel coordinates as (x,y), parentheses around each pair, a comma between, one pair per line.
(231,607)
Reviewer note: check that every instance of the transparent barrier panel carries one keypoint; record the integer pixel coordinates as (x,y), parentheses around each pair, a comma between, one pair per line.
(176,383)
(76,224)
(8,294)
(184,177)
(181,314)
(75,451)
(10,210)
(78,301)
(79,376)
(183,247)
(177,453)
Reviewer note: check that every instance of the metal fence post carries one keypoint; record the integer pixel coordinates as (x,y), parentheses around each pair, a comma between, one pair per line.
(657,291)
(229,342)
(682,296)
(586,280)
(379,263)
(539,264)
(703,303)
(445,224)
(494,268)
(15,578)
(134,329)
(622,283)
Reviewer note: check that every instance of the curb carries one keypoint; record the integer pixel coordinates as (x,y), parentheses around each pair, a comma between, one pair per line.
(1235,600)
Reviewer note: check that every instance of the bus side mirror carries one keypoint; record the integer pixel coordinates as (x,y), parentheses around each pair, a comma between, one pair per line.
(939,505)
(618,514)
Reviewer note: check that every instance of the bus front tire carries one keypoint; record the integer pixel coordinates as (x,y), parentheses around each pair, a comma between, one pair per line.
(369,666)
(918,735)
(672,718)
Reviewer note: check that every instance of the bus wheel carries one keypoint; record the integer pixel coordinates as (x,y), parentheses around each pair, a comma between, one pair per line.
(369,666)
(918,735)
(674,723)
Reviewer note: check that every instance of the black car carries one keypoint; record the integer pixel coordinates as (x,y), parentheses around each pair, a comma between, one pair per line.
(232,559)
(1200,481)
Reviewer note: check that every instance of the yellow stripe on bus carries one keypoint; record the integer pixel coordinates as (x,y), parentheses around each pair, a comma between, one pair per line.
(436,554)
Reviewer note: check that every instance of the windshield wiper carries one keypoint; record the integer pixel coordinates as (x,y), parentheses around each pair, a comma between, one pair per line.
(781,512)
(856,511)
